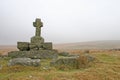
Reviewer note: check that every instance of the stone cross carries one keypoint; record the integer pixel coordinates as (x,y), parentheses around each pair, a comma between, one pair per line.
(38,24)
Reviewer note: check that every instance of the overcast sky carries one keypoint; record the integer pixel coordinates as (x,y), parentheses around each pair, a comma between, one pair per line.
(64,21)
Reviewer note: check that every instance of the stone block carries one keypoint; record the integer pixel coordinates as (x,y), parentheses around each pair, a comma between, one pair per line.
(47,45)
(37,40)
(40,54)
(18,54)
(23,46)
(68,61)
(24,62)
(82,61)
(33,46)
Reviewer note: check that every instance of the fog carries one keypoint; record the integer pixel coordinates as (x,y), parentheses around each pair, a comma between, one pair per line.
(64,21)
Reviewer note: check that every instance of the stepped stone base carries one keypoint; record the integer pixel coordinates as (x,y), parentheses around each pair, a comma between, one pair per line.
(26,46)
(40,54)
(44,46)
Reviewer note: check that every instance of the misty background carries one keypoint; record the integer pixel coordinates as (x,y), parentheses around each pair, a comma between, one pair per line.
(65,21)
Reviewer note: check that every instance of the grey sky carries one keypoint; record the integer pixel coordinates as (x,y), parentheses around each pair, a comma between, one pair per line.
(64,20)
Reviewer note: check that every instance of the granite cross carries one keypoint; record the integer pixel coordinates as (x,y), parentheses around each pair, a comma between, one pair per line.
(38,24)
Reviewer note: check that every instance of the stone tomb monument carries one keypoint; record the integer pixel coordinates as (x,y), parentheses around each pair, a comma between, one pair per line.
(30,53)
(36,48)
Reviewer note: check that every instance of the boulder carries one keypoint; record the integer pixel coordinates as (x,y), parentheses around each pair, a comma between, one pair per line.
(76,62)
(24,62)
(68,61)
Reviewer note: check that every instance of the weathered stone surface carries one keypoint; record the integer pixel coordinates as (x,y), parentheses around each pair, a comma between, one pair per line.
(44,46)
(47,45)
(38,24)
(33,46)
(64,54)
(68,61)
(74,62)
(89,57)
(18,54)
(37,40)
(23,46)
(40,54)
(24,62)
(37,48)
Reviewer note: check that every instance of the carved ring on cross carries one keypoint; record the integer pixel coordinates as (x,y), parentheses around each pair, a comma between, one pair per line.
(38,23)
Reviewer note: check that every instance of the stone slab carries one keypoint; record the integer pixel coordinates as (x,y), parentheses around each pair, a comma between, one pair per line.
(47,45)
(40,54)
(80,61)
(23,46)
(24,62)
(37,40)
(68,61)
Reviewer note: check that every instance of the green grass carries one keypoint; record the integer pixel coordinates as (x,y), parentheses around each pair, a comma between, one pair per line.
(108,58)
(106,67)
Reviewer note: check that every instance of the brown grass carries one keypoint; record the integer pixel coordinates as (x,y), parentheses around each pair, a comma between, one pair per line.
(106,67)
(5,49)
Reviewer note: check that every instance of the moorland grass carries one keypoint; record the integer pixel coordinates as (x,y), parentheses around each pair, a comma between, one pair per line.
(106,67)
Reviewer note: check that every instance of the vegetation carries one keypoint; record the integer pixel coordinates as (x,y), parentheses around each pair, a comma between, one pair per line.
(105,67)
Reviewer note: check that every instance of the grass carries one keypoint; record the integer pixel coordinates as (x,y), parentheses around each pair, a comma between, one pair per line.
(106,67)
